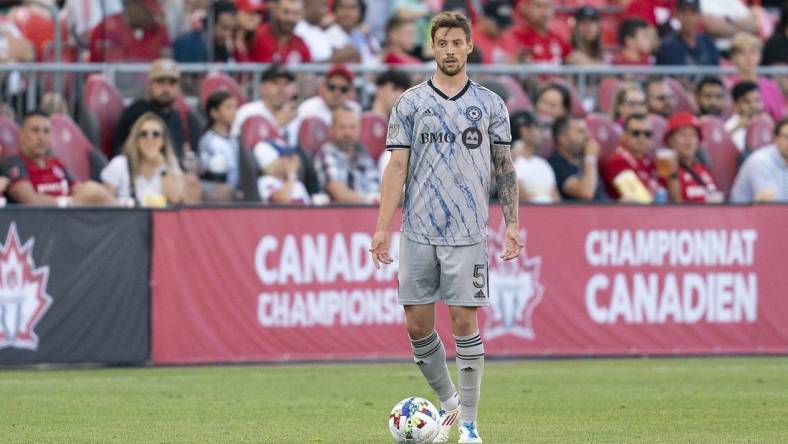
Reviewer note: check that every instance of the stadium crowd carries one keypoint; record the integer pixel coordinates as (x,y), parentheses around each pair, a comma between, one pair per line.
(302,140)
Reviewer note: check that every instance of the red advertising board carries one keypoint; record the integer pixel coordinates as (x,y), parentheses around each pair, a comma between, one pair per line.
(235,285)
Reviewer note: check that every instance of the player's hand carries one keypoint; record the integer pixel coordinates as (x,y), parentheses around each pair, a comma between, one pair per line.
(380,249)
(512,243)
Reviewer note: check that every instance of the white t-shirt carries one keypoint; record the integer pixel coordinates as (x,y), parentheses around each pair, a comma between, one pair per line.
(735,9)
(219,155)
(367,47)
(268,185)
(116,173)
(537,178)
(320,48)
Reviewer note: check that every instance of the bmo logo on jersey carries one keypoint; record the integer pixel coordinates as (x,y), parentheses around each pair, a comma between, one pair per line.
(515,291)
(440,137)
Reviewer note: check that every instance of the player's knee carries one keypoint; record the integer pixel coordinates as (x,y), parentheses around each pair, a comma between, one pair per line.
(419,331)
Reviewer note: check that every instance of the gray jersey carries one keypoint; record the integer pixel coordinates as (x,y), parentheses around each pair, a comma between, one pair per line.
(448,186)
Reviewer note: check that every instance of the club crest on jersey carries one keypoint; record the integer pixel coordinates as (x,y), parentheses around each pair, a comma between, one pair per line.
(23,293)
(473,113)
(515,291)
(393,130)
(472,138)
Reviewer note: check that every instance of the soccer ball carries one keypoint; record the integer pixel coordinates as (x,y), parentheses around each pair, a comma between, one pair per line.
(414,421)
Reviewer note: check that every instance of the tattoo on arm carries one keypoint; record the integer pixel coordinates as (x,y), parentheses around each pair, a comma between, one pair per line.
(507,182)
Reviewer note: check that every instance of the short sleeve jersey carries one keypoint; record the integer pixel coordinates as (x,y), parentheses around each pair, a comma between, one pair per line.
(450,141)
(53,179)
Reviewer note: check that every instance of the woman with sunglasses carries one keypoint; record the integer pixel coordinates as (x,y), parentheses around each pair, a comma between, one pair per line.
(147,172)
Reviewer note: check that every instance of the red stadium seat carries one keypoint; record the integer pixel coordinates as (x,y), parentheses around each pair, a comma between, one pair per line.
(256,129)
(71,146)
(659,125)
(684,100)
(183,108)
(105,102)
(9,137)
(373,133)
(220,82)
(517,100)
(36,25)
(605,132)
(723,155)
(760,132)
(312,134)
(607,92)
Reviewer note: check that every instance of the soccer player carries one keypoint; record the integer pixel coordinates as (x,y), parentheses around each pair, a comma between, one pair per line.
(444,135)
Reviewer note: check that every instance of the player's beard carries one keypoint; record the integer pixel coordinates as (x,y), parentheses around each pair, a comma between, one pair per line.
(449,71)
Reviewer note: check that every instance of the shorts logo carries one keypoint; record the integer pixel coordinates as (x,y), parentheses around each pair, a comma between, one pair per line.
(473,113)
(23,297)
(472,138)
(393,130)
(515,291)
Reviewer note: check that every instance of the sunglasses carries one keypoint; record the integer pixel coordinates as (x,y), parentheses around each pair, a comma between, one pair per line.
(342,88)
(149,134)
(640,133)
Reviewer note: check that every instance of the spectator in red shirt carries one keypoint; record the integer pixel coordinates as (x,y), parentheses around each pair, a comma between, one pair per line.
(276,42)
(537,40)
(636,43)
(400,40)
(632,156)
(490,36)
(695,182)
(134,35)
(250,15)
(39,178)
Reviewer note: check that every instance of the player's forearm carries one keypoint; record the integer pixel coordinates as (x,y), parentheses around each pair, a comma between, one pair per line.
(390,195)
(507,184)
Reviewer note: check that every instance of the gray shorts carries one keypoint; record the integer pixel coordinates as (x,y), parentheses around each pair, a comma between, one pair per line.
(455,275)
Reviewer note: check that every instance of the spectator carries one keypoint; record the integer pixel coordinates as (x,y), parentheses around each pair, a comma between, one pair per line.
(747,105)
(775,51)
(276,104)
(659,97)
(632,158)
(574,161)
(695,182)
(147,171)
(280,184)
(249,18)
(539,43)
(312,30)
(552,102)
(276,42)
(345,170)
(219,151)
(134,35)
(192,47)
(388,87)
(764,175)
(400,41)
(534,175)
(629,99)
(711,96)
(722,19)
(491,36)
(83,16)
(687,46)
(586,38)
(38,178)
(162,89)
(636,43)
(335,90)
(746,56)
(350,42)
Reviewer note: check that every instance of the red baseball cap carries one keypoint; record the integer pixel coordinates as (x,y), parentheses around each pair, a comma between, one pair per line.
(680,120)
(340,70)
(250,5)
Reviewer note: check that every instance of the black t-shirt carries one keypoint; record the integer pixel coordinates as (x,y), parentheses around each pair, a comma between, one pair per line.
(565,169)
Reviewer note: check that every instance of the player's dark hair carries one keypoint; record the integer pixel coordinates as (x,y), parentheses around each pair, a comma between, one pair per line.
(214,101)
(629,28)
(35,113)
(394,76)
(709,80)
(743,88)
(779,126)
(566,96)
(448,19)
(560,126)
(636,116)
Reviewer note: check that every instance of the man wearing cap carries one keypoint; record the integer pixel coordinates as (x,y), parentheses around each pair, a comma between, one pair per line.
(764,175)
(250,15)
(134,35)
(688,46)
(335,90)
(696,184)
(161,90)
(276,42)
(490,35)
(276,104)
(537,40)
(574,161)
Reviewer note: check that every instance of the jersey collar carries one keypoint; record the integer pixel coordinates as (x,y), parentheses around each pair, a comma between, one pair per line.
(457,96)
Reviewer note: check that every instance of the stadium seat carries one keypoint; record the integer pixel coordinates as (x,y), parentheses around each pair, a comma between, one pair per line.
(605,132)
(607,92)
(9,137)
(256,129)
(217,81)
(659,125)
(517,99)
(684,100)
(104,101)
(312,134)
(722,153)
(760,132)
(36,25)
(373,133)
(71,146)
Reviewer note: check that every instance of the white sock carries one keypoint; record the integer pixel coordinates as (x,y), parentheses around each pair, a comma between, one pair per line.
(470,366)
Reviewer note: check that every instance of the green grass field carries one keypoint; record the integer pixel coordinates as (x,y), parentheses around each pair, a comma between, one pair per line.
(715,400)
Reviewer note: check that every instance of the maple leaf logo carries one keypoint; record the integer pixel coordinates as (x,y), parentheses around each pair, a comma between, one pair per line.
(515,290)
(23,297)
